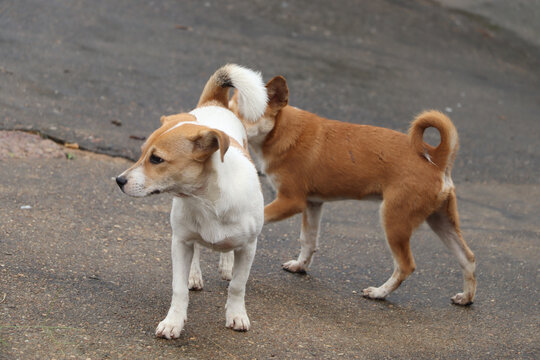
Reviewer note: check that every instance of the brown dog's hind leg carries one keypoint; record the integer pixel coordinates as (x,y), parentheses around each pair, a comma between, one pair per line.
(398,231)
(309,238)
(445,223)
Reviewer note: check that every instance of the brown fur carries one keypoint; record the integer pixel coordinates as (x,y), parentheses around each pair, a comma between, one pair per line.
(185,150)
(311,159)
(216,89)
(311,156)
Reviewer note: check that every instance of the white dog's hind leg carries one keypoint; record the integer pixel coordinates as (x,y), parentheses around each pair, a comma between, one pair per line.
(309,238)
(195,281)
(173,324)
(235,314)
(226,262)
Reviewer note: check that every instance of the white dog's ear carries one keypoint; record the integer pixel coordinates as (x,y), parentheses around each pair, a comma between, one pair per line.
(206,142)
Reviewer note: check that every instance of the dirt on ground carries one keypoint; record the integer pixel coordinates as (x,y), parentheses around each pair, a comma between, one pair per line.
(18,145)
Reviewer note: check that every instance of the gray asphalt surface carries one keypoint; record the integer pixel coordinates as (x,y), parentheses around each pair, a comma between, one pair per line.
(519,16)
(85,272)
(69,68)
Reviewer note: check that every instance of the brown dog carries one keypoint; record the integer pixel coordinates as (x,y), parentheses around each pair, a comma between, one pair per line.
(310,160)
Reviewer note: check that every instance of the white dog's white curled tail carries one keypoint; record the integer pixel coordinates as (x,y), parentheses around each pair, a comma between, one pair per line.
(252,96)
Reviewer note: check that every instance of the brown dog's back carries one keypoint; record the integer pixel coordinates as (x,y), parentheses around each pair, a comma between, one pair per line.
(335,160)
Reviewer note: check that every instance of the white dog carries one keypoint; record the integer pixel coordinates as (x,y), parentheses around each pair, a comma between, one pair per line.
(201,158)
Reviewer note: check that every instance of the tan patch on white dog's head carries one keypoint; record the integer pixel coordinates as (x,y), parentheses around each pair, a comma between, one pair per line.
(175,158)
(176,118)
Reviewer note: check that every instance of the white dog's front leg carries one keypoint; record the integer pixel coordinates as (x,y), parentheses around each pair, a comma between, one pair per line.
(226,262)
(235,315)
(173,324)
(195,281)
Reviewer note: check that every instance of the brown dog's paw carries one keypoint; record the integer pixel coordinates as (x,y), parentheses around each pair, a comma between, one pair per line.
(294,266)
(374,293)
(462,299)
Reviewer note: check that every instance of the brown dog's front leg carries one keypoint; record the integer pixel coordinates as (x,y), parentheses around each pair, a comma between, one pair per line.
(309,238)
(283,207)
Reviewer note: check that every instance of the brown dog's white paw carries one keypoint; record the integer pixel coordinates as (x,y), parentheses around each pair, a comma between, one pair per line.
(462,299)
(170,327)
(294,266)
(195,281)
(237,320)
(374,293)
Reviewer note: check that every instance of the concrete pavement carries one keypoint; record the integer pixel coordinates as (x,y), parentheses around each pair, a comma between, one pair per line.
(519,16)
(86,273)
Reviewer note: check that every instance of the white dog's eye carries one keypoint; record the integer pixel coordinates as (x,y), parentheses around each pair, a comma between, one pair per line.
(155,159)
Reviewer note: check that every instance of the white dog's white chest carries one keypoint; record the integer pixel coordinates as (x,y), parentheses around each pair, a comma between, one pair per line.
(218,232)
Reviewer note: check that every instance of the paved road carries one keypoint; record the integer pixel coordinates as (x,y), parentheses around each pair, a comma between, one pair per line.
(86,271)
(519,16)
(69,68)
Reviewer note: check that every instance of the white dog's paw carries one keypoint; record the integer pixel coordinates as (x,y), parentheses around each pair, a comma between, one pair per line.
(295,266)
(462,299)
(170,327)
(374,293)
(237,320)
(195,281)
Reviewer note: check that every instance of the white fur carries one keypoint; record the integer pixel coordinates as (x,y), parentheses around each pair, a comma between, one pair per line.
(447,183)
(238,210)
(195,280)
(217,117)
(227,215)
(309,238)
(230,223)
(252,96)
(226,262)
(446,230)
(136,183)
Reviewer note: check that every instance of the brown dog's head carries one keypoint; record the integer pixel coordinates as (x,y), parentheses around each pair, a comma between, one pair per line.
(174,158)
(278,97)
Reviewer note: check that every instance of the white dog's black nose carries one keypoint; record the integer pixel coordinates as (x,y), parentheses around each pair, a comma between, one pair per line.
(121,181)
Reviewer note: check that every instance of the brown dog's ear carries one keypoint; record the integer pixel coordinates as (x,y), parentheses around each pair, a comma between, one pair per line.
(206,142)
(278,93)
(163,119)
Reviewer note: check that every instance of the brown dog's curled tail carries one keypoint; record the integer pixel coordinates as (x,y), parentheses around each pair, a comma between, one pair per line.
(252,97)
(443,155)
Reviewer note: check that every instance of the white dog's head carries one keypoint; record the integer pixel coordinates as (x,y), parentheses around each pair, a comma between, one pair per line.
(174,159)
